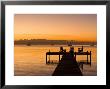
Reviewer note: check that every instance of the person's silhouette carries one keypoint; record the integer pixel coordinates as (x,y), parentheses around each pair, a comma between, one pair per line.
(61,49)
(72,51)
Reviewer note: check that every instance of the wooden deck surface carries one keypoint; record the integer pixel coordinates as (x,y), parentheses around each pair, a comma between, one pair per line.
(67,66)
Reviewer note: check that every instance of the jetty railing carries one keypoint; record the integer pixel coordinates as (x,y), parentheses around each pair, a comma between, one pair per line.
(68,65)
(64,53)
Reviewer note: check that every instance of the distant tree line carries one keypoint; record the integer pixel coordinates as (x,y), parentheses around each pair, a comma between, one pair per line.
(52,42)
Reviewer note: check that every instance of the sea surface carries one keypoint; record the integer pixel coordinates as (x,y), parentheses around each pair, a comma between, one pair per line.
(31,60)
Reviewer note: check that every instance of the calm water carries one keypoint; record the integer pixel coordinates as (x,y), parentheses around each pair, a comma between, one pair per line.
(30,60)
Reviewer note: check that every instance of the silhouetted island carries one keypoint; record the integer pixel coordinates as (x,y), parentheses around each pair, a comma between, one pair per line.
(52,42)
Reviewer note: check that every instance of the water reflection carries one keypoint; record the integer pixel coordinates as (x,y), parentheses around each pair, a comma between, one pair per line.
(31,60)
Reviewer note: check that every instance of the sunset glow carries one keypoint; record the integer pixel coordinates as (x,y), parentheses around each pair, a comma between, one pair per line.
(82,27)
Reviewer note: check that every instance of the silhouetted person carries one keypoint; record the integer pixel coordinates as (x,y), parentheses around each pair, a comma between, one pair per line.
(61,49)
(80,49)
(72,51)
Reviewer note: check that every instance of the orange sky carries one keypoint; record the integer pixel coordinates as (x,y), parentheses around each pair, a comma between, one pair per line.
(56,26)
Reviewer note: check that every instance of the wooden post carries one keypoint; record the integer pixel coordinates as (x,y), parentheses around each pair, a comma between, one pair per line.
(49,56)
(59,57)
(82,48)
(46,58)
(87,56)
(90,57)
(75,55)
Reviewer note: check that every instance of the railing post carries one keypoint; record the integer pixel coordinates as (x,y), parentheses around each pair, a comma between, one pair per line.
(49,57)
(59,57)
(46,58)
(90,57)
(87,56)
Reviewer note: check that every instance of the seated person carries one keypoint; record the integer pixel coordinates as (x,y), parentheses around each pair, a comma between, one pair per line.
(61,49)
(80,49)
(72,51)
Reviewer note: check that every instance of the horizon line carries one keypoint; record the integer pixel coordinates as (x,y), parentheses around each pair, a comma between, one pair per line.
(57,39)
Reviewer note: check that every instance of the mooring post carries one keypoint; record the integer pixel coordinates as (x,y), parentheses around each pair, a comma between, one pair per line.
(46,58)
(87,56)
(90,57)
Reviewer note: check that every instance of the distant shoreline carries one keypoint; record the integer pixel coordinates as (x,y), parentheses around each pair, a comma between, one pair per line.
(53,45)
(52,42)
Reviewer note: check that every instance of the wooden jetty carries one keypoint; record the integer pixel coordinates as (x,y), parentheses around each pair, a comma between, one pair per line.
(68,65)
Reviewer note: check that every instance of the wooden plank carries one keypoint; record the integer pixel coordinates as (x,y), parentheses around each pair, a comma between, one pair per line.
(54,53)
(62,53)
